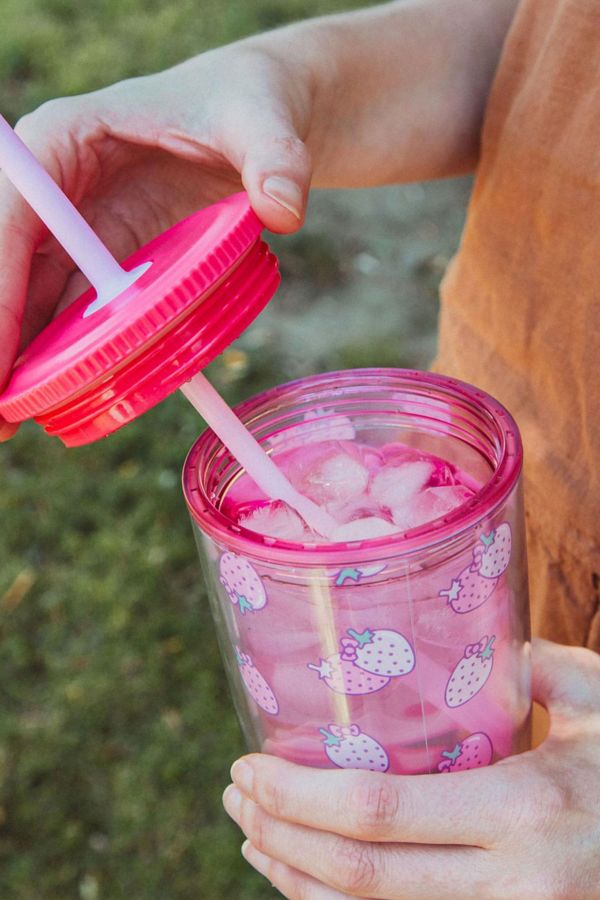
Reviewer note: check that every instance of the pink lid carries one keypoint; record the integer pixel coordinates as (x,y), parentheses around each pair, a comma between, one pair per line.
(92,370)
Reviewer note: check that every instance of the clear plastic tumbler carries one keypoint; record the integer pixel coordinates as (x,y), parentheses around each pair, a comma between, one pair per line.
(407,653)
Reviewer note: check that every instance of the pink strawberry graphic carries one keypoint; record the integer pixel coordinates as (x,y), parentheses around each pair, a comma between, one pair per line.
(472,753)
(471,673)
(243,585)
(493,557)
(341,675)
(256,685)
(382,652)
(348,748)
(469,590)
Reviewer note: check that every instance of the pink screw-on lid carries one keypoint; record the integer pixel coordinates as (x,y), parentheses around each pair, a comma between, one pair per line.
(93,370)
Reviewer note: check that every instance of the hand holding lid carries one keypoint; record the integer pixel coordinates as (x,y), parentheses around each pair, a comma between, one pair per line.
(146,326)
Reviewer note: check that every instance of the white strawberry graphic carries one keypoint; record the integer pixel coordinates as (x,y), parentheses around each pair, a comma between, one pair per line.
(472,753)
(256,685)
(243,585)
(341,675)
(493,557)
(469,590)
(355,575)
(382,652)
(471,673)
(348,748)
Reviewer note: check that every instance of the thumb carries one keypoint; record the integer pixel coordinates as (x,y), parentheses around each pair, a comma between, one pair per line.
(566,680)
(276,169)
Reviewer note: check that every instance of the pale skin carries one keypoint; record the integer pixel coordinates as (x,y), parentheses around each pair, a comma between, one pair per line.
(526,827)
(393,93)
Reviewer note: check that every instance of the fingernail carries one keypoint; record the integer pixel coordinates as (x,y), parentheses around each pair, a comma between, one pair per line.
(243,776)
(284,192)
(232,801)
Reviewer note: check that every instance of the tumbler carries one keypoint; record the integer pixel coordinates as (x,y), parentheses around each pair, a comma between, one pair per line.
(407,653)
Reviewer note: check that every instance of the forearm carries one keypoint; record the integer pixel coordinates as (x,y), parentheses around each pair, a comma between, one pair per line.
(399,90)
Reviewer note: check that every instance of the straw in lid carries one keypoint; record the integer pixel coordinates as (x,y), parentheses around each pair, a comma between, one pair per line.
(98,366)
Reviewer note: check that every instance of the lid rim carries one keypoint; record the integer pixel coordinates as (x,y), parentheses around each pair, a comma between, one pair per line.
(135,389)
(126,330)
(429,538)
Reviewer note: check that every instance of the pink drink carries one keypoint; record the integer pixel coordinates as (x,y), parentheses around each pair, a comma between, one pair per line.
(402,647)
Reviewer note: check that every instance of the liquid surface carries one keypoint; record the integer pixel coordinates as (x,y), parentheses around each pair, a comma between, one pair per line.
(370,491)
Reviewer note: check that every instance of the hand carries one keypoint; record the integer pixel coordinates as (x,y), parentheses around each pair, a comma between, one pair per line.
(138,156)
(393,93)
(526,827)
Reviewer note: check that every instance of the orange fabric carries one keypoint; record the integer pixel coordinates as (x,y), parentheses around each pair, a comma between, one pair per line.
(521,300)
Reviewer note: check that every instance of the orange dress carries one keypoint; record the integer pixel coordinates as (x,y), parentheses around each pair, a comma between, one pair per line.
(521,300)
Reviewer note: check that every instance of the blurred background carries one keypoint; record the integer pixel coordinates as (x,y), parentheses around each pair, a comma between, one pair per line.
(116,728)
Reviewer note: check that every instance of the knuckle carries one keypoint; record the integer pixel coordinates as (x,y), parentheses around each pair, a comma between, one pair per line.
(50,124)
(272,797)
(356,867)
(375,803)
(542,804)
(291,145)
(49,112)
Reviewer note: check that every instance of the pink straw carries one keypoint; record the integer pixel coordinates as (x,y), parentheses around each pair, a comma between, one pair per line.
(62,219)
(246,449)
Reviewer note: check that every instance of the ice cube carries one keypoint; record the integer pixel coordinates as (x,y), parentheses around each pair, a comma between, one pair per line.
(430,504)
(359,507)
(363,529)
(394,486)
(275,520)
(325,472)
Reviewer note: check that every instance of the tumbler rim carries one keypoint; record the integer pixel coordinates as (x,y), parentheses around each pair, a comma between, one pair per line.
(430,537)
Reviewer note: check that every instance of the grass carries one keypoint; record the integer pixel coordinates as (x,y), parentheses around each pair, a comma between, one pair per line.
(117,731)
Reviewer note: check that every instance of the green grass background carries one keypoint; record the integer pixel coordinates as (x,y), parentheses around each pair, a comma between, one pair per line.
(116,728)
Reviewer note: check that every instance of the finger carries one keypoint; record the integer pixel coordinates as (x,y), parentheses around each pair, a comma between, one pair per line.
(275,166)
(49,274)
(20,232)
(374,807)
(290,882)
(566,680)
(276,175)
(46,133)
(255,134)
(360,868)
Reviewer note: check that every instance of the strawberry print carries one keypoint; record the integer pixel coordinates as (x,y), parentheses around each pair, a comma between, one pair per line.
(256,685)
(367,661)
(341,675)
(242,583)
(382,652)
(355,575)
(348,748)
(472,753)
(471,672)
(469,590)
(492,556)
